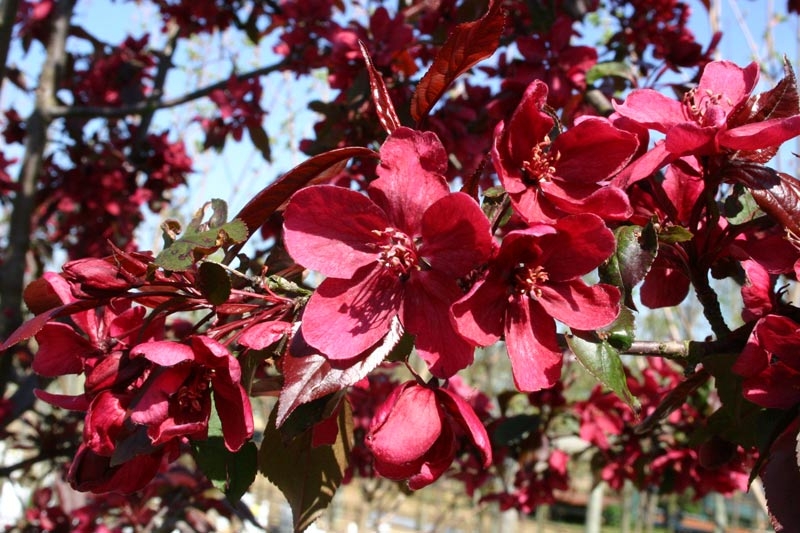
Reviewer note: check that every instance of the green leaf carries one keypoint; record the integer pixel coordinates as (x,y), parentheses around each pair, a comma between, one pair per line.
(674,234)
(602,361)
(620,333)
(201,239)
(740,206)
(230,472)
(617,69)
(307,476)
(213,282)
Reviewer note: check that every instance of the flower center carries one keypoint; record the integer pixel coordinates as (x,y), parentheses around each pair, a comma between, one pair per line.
(528,279)
(193,393)
(399,254)
(704,107)
(540,166)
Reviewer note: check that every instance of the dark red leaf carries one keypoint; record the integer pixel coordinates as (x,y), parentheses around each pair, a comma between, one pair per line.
(781,476)
(469,43)
(782,101)
(272,197)
(310,376)
(380,95)
(260,140)
(776,193)
(35,324)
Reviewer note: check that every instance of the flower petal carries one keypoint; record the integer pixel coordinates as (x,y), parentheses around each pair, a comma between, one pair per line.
(582,243)
(651,109)
(345,317)
(581,306)
(406,425)
(61,351)
(235,413)
(330,229)
(463,413)
(456,235)
(478,316)
(759,135)
(592,151)
(164,353)
(532,346)
(426,314)
(152,408)
(411,177)
(729,80)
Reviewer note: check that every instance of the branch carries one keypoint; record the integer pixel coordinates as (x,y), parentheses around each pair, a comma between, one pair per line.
(149,106)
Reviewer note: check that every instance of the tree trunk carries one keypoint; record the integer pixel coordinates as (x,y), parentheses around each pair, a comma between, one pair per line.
(12,272)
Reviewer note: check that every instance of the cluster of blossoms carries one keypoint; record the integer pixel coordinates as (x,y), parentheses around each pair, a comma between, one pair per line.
(144,396)
(661,458)
(408,261)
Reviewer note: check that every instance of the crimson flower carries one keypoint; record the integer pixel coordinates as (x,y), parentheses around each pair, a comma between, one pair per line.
(547,179)
(399,251)
(770,363)
(708,119)
(535,278)
(176,400)
(414,433)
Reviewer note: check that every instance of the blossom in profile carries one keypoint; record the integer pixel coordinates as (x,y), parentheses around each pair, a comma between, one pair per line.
(399,251)
(534,280)
(414,434)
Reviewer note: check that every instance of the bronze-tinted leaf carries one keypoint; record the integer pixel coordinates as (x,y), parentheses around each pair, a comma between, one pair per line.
(781,476)
(309,376)
(214,282)
(782,101)
(776,193)
(380,95)
(308,476)
(260,140)
(469,43)
(273,196)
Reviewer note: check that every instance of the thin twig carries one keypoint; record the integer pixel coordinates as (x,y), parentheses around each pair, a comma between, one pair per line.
(147,106)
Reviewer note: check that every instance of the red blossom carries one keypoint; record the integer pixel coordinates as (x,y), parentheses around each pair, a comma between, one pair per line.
(176,400)
(707,120)
(547,179)
(534,279)
(398,252)
(414,433)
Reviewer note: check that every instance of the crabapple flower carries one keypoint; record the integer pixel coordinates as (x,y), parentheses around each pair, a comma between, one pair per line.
(534,279)
(399,251)
(712,118)
(176,400)
(414,433)
(548,179)
(770,363)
